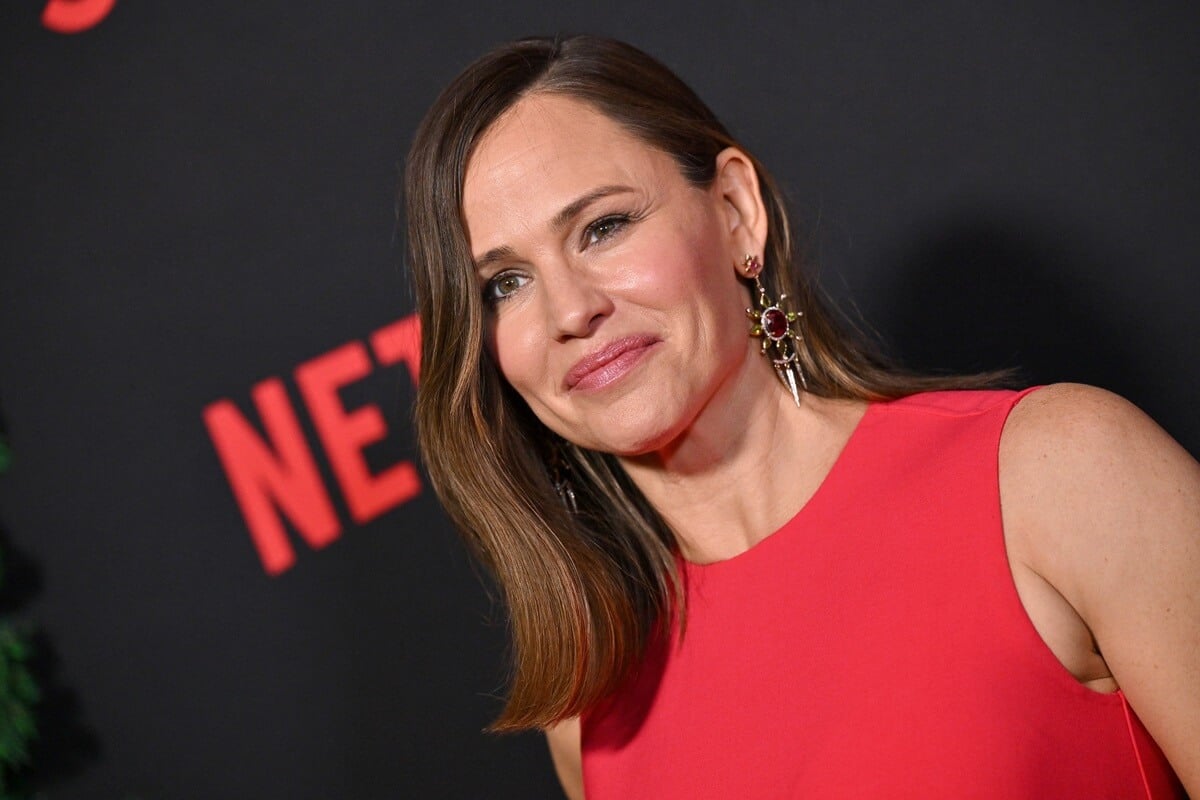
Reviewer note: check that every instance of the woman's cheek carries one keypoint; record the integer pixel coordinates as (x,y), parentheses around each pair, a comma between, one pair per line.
(521,354)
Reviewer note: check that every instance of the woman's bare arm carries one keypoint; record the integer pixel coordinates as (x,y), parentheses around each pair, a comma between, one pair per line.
(565,752)
(1106,507)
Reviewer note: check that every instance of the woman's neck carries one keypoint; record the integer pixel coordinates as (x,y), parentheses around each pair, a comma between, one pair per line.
(744,468)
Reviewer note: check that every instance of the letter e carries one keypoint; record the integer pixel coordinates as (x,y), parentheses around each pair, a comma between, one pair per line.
(344,434)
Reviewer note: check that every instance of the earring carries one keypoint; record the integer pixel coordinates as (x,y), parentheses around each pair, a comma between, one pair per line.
(773,322)
(560,479)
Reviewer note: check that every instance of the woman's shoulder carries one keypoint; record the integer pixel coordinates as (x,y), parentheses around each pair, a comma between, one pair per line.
(1081,405)
(1071,434)
(1079,452)
(1077,465)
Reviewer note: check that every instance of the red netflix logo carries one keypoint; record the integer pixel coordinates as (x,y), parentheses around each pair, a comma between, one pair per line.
(279,475)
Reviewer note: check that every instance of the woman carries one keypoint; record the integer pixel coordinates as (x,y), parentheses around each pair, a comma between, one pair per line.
(743,556)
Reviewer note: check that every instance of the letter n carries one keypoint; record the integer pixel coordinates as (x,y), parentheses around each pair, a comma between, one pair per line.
(269,477)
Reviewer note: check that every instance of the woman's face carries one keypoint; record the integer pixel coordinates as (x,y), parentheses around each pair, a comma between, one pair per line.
(611,296)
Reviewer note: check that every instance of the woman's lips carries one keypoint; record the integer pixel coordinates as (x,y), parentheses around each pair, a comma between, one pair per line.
(608,363)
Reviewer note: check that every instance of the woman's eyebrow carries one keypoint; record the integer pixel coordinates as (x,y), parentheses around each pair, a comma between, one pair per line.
(573,209)
(501,253)
(561,220)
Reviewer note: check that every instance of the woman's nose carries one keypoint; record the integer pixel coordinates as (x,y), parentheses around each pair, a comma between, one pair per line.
(574,303)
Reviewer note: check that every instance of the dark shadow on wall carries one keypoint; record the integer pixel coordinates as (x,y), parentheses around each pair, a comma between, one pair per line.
(978,294)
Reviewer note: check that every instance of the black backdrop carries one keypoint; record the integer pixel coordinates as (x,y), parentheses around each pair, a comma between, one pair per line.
(199,201)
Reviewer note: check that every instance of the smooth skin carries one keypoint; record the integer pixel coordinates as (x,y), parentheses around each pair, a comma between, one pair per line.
(586,238)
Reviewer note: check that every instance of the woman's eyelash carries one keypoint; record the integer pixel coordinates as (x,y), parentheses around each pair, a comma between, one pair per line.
(605,227)
(502,286)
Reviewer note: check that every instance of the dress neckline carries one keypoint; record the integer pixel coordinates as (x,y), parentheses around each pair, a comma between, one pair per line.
(772,540)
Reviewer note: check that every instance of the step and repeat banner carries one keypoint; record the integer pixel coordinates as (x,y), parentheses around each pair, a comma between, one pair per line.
(214,524)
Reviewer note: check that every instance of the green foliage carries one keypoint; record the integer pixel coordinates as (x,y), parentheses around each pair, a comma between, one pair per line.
(18,695)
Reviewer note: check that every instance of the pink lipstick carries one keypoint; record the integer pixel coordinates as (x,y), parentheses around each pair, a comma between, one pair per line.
(608,363)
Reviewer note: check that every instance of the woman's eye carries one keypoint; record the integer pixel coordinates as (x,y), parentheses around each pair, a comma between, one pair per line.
(603,228)
(503,285)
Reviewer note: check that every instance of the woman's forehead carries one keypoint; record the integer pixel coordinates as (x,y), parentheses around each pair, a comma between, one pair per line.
(542,154)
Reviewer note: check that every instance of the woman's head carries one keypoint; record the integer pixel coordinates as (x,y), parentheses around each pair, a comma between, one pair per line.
(625,89)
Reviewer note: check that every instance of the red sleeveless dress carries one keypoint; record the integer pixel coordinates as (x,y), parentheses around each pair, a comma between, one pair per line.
(873,647)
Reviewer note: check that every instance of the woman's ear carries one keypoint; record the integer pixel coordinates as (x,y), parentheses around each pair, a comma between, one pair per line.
(736,184)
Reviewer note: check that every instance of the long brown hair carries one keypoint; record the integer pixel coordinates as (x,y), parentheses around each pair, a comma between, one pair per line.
(584,589)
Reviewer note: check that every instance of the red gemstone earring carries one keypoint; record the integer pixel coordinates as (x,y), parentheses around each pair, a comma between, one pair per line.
(773,322)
